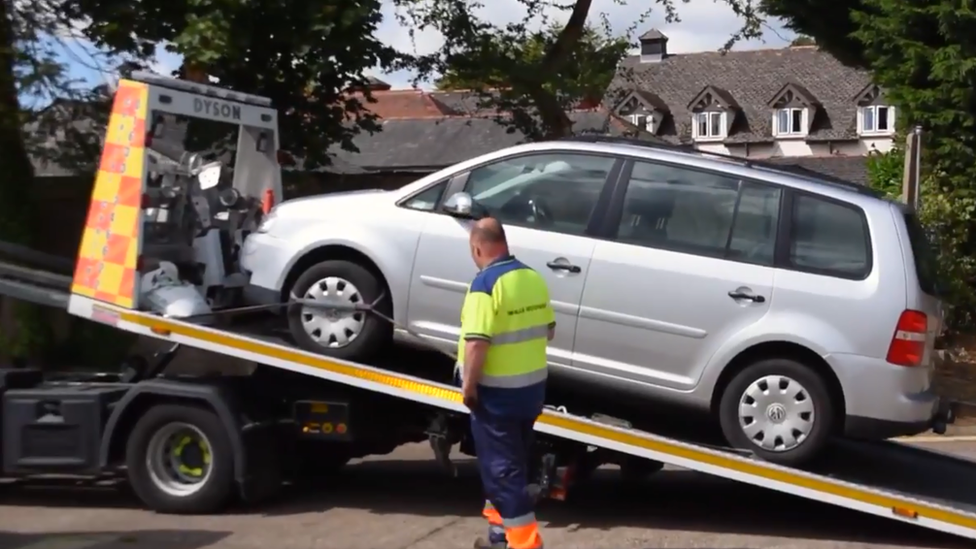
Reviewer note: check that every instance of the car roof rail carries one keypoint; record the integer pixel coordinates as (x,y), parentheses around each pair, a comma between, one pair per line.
(791,169)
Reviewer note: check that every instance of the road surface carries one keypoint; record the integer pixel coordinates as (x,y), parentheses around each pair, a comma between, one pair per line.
(403,501)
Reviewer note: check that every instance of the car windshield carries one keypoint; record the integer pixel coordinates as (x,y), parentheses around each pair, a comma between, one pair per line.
(509,179)
(567,186)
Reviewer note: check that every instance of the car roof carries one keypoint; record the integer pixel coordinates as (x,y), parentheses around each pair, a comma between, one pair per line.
(792,176)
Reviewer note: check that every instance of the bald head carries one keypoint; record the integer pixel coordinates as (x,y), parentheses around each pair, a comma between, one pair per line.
(488,230)
(488,241)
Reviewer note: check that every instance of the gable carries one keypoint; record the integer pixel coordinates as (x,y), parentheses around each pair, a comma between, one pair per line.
(712,98)
(793,95)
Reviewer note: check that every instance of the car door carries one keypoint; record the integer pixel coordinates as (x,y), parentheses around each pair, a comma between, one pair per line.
(546,203)
(688,266)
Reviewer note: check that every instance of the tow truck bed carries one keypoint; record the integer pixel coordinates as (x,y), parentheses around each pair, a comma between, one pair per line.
(888,479)
(883,479)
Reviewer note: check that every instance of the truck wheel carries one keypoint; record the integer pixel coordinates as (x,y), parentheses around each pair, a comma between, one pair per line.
(179,460)
(346,335)
(780,409)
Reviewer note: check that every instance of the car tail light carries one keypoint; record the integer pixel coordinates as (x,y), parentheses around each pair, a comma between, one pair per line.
(267,201)
(908,343)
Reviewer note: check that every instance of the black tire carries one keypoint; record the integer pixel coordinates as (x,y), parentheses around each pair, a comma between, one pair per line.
(824,414)
(218,489)
(377,333)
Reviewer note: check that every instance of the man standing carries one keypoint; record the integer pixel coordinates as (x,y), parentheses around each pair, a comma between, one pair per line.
(506,323)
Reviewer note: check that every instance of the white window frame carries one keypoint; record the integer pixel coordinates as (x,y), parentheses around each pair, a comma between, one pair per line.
(709,116)
(873,109)
(643,121)
(792,131)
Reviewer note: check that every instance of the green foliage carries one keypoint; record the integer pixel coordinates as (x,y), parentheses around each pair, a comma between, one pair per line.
(885,172)
(533,77)
(948,217)
(303,55)
(586,74)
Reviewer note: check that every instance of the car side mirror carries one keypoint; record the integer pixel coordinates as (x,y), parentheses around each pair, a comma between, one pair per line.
(462,206)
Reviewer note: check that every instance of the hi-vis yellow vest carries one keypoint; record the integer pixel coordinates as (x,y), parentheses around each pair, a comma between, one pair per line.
(507,304)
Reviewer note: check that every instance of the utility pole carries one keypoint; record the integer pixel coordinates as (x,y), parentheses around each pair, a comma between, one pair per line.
(913,168)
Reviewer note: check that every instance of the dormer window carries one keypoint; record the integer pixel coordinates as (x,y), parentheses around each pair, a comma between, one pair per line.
(643,121)
(874,116)
(791,122)
(710,125)
(877,120)
(794,109)
(643,109)
(714,111)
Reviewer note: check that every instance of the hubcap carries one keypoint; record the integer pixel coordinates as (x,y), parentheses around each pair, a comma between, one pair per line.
(334,329)
(179,459)
(776,413)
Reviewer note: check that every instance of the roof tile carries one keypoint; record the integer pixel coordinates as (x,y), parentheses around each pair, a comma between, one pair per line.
(752,78)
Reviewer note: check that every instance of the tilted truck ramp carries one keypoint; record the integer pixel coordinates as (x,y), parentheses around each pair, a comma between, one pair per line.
(890,480)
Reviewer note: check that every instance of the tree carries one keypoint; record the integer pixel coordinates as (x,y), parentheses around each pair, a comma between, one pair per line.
(923,55)
(28,68)
(305,56)
(537,75)
(587,73)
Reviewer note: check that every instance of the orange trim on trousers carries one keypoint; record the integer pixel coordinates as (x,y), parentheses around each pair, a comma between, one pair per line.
(491,514)
(523,532)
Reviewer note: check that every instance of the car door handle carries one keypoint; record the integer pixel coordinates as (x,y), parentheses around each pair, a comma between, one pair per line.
(745,295)
(568,267)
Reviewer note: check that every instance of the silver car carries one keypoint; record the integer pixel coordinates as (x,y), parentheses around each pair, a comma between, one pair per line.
(792,308)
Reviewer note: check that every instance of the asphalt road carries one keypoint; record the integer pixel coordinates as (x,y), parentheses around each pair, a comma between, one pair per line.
(403,501)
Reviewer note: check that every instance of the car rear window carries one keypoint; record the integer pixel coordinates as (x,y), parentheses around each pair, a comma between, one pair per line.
(829,238)
(925,266)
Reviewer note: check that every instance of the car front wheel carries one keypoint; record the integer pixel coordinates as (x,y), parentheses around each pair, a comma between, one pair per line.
(780,409)
(348,334)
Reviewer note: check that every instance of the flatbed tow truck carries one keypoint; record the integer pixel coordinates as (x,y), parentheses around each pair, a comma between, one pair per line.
(193,444)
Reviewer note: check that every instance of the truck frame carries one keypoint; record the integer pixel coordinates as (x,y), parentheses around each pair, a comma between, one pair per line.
(195,444)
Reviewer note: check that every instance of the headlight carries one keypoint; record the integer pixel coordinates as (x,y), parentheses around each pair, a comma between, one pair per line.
(267,222)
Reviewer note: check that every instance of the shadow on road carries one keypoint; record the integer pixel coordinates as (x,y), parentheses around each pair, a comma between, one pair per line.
(669,500)
(156,539)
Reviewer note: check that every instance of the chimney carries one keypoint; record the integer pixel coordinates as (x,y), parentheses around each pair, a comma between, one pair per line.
(654,46)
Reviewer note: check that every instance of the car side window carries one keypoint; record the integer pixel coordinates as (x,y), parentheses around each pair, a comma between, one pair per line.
(756,220)
(829,238)
(700,213)
(553,192)
(427,199)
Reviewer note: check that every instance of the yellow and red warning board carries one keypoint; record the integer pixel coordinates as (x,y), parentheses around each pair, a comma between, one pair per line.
(106,264)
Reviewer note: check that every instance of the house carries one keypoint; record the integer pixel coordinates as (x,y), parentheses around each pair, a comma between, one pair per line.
(772,103)
(425,131)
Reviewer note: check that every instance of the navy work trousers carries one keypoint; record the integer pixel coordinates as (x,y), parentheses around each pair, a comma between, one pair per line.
(503,445)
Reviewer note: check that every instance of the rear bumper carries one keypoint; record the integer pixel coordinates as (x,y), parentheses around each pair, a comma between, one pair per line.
(875,429)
